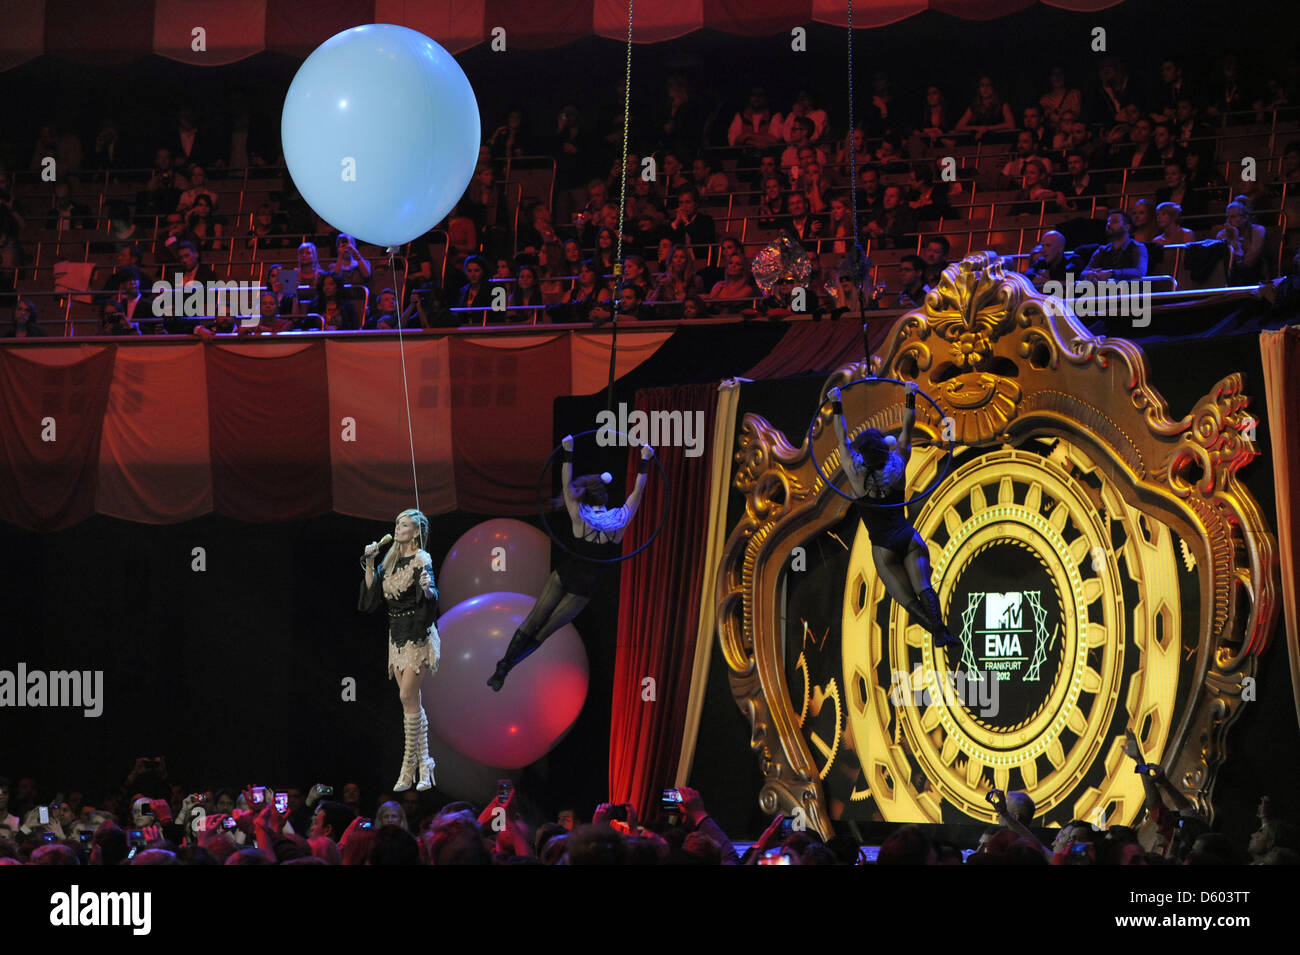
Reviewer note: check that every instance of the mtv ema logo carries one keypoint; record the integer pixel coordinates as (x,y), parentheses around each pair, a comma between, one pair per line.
(1002,611)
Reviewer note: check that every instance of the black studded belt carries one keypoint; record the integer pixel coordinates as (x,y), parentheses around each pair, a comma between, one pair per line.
(400,613)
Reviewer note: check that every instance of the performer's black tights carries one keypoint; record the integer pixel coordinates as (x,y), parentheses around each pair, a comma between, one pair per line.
(554,608)
(906,577)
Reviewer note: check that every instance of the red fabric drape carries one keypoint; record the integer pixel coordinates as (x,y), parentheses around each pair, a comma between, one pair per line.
(297,27)
(233,30)
(659,608)
(756,17)
(51,412)
(541,26)
(99,33)
(498,396)
(817,346)
(269,425)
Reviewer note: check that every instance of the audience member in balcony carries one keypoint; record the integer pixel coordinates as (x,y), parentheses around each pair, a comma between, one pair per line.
(934,251)
(265,233)
(190,147)
(350,265)
(1121,257)
(768,168)
(1143,213)
(911,279)
(551,268)
(755,127)
(1201,175)
(890,157)
(1032,122)
(274,282)
(1173,87)
(108,150)
(1077,189)
(893,220)
(870,197)
(121,226)
(198,187)
(773,208)
(679,125)
(801,137)
(191,267)
(481,201)
(587,216)
(933,123)
(383,312)
(1035,193)
(203,225)
(333,304)
(270,321)
(309,268)
(1141,152)
(689,226)
(678,279)
(25,324)
(535,228)
(882,117)
(1048,262)
(672,177)
(508,141)
(128,262)
(163,191)
(606,251)
(65,212)
(805,106)
(1166,144)
(929,200)
(839,227)
(1246,240)
(706,179)
(1112,92)
(113,321)
(1169,221)
(477,292)
(134,304)
(1190,132)
(588,291)
(635,272)
(861,154)
(814,186)
(1176,190)
(1059,99)
(1228,95)
(805,227)
(737,283)
(642,204)
(572,256)
(987,113)
(577,158)
(526,297)
(1026,152)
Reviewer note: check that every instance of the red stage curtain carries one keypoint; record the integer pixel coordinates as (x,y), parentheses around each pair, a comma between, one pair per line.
(541,26)
(98,33)
(297,27)
(51,415)
(659,608)
(501,401)
(756,17)
(268,414)
(154,465)
(817,347)
(234,30)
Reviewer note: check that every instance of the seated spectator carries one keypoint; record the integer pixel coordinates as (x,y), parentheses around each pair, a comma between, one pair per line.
(1078,188)
(805,227)
(1027,151)
(801,135)
(606,252)
(163,192)
(1228,95)
(893,221)
(816,189)
(636,272)
(1048,263)
(587,292)
(1189,132)
(65,212)
(198,187)
(1122,257)
(755,127)
(174,233)
(935,251)
(773,207)
(889,156)
(805,107)
(537,228)
(643,204)
(839,235)
(767,169)
(203,225)
(861,154)
(1246,240)
(477,291)
(25,325)
(350,265)
(737,282)
(911,277)
(1166,145)
(706,179)
(333,304)
(673,176)
(526,297)
(1144,220)
(1176,190)
(383,312)
(551,268)
(690,227)
(1141,154)
(309,268)
(265,233)
(191,267)
(926,198)
(135,305)
(678,279)
(1033,123)
(631,306)
(870,197)
(934,122)
(1169,221)
(1035,194)
(695,307)
(1059,98)
(987,113)
(270,321)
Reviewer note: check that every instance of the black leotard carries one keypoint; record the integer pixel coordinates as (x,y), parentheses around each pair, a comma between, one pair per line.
(886,526)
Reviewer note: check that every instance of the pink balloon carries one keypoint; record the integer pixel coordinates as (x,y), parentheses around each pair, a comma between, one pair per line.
(542,697)
(471,568)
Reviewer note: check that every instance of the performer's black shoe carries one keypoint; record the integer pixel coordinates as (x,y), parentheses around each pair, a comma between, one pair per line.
(521,645)
(939,630)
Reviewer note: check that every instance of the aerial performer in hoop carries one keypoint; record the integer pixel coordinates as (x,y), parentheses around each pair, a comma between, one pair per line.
(597,542)
(876,467)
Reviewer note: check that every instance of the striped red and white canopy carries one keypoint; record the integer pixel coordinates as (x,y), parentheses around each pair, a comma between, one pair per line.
(231,30)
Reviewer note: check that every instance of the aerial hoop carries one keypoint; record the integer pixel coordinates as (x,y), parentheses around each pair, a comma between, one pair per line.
(831,484)
(542,498)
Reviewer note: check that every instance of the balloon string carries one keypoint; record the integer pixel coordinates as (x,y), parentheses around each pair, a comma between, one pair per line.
(622,205)
(406,391)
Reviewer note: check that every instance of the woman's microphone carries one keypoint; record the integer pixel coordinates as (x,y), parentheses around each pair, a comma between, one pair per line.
(383,542)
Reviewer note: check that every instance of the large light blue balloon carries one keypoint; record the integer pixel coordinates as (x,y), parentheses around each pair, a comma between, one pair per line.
(391,107)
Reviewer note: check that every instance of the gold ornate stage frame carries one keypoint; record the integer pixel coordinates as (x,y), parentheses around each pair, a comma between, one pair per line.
(1144,560)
